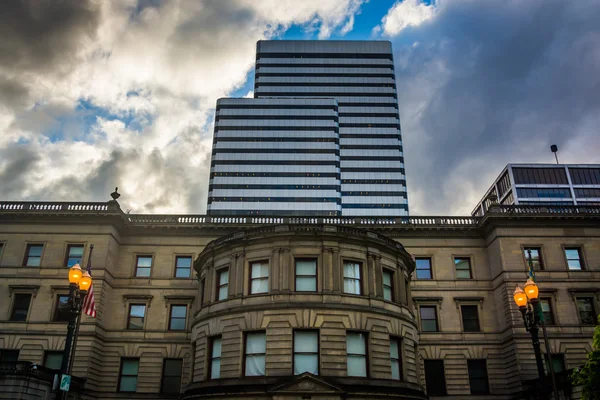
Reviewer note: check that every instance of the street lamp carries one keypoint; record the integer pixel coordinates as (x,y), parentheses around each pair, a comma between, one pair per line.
(79,284)
(527,301)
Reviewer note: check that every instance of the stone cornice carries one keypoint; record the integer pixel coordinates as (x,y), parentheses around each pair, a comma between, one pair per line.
(110,213)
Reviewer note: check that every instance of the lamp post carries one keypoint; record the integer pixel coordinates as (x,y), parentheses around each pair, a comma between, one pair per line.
(528,302)
(79,284)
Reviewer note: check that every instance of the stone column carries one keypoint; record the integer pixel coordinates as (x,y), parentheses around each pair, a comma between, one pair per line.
(327,269)
(239,274)
(275,280)
(336,266)
(370,276)
(233,273)
(378,277)
(284,265)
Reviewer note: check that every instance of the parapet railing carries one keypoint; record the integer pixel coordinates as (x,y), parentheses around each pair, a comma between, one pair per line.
(112,207)
(56,206)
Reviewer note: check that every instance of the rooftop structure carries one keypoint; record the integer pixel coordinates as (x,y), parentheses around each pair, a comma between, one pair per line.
(544,185)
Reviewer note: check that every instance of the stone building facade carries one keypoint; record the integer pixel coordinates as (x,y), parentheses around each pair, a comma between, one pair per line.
(436,289)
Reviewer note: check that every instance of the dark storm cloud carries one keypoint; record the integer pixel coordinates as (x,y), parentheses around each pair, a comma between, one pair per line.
(498,82)
(39,34)
(15,161)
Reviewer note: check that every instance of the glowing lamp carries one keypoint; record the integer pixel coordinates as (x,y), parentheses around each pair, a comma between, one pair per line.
(85,282)
(531,289)
(75,274)
(520,297)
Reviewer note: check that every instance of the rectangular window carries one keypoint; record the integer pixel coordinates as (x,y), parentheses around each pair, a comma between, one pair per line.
(574,258)
(587,314)
(306,275)
(74,255)
(463,267)
(396,357)
(20,307)
(306,352)
(9,356)
(424,268)
(558,362)
(61,309)
(352,283)
(143,266)
(435,378)
(356,353)
(128,376)
(546,305)
(178,316)
(259,277)
(428,316)
(536,258)
(53,359)
(222,284)
(171,377)
(215,358)
(137,313)
(478,377)
(33,255)
(256,349)
(183,267)
(470,318)
(388,286)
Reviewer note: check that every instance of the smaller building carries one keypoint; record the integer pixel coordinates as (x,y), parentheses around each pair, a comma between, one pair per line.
(544,184)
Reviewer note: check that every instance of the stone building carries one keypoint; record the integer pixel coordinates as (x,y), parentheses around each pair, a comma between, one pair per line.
(293,308)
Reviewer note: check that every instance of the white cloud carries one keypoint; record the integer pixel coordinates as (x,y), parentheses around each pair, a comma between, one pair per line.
(156,68)
(404,14)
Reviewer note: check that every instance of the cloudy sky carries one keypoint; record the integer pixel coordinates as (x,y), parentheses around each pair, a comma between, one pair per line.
(96,94)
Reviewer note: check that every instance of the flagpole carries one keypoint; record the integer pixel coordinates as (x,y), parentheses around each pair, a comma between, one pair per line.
(72,357)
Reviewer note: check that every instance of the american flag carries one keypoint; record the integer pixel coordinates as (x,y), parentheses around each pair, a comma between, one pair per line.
(89,305)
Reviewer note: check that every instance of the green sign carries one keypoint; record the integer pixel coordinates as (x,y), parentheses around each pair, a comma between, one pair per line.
(65,383)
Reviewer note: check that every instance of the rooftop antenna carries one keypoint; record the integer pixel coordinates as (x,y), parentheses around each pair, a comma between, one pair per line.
(554,149)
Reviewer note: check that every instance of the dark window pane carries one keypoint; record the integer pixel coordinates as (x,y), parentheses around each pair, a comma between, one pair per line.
(33,256)
(136,316)
(435,377)
(20,307)
(546,305)
(428,318)
(143,266)
(463,267)
(478,378)
(536,259)
(74,254)
(587,314)
(129,374)
(574,260)
(470,318)
(423,268)
(9,355)
(171,380)
(178,316)
(53,359)
(183,267)
(61,310)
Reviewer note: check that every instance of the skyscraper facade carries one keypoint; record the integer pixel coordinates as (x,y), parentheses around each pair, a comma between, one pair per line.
(359,76)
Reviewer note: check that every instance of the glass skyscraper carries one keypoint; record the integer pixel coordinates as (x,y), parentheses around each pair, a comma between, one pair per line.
(321,137)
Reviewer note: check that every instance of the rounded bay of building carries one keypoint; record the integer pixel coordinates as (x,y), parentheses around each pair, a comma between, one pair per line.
(321,310)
